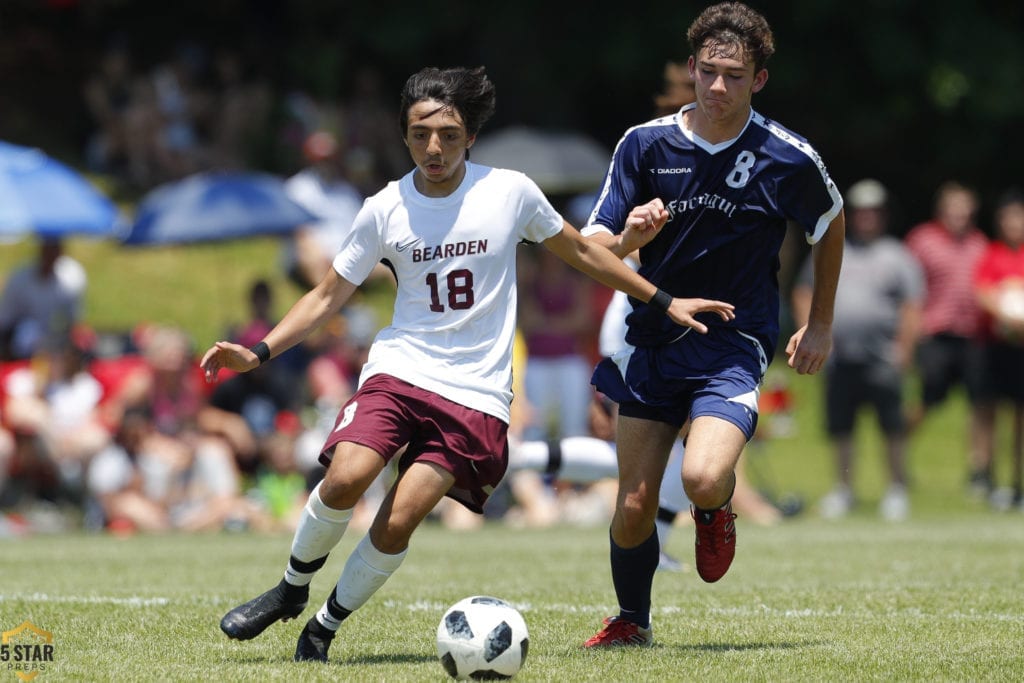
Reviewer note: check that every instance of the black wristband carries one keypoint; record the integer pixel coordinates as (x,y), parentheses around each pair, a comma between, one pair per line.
(262,351)
(661,300)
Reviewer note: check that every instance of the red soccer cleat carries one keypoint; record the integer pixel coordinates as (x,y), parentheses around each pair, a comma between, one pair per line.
(621,633)
(716,542)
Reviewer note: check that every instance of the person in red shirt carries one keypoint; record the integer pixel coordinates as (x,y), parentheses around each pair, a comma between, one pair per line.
(999,284)
(949,352)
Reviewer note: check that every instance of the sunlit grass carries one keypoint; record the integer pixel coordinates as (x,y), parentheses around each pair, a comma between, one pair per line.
(934,599)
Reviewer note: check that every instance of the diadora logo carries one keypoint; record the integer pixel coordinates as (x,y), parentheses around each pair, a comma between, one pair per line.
(26,651)
(670,171)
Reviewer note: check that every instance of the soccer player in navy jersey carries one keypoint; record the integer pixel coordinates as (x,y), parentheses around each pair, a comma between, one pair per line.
(705,195)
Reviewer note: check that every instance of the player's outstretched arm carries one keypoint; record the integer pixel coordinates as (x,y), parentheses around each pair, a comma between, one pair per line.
(597,261)
(810,345)
(642,225)
(307,314)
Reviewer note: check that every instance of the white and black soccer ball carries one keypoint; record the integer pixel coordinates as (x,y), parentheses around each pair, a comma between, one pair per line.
(482,638)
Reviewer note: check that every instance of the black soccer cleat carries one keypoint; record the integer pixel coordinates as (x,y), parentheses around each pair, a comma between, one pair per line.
(313,642)
(280,603)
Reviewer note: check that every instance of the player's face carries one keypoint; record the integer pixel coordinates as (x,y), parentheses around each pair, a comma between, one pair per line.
(724,83)
(437,140)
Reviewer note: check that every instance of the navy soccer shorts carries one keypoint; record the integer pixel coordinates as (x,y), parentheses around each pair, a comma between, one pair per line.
(718,374)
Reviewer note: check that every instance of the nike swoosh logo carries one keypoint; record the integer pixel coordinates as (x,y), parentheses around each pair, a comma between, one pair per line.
(403,247)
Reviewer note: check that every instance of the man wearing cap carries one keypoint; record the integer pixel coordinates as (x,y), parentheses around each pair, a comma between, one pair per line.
(874,330)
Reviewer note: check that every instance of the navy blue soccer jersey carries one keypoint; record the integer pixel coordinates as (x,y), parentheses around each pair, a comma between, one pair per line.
(728,204)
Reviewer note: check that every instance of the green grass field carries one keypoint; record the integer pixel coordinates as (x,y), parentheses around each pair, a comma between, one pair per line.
(934,599)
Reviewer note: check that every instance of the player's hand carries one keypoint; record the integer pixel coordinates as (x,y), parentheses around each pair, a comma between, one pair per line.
(808,348)
(229,356)
(643,224)
(683,310)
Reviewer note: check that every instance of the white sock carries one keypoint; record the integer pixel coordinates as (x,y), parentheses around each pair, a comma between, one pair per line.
(319,530)
(586,460)
(528,455)
(578,459)
(365,572)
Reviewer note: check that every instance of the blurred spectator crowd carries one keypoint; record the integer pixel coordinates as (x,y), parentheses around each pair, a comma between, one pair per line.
(943,306)
(122,433)
(125,433)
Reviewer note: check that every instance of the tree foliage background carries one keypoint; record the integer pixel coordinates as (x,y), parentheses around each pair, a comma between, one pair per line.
(908,91)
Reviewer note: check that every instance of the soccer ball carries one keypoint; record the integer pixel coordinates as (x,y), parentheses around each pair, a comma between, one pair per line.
(482,638)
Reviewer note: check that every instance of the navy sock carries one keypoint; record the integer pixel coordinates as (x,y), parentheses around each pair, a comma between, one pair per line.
(633,575)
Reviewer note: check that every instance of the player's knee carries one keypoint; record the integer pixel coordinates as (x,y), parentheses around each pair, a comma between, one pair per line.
(707,484)
(638,509)
(338,493)
(391,536)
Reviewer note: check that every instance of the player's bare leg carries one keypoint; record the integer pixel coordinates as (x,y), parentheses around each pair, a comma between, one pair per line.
(416,492)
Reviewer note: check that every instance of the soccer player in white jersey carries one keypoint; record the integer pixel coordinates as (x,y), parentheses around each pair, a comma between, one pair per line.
(705,195)
(438,379)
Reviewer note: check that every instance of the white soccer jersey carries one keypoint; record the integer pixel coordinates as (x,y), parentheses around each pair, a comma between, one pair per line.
(455,261)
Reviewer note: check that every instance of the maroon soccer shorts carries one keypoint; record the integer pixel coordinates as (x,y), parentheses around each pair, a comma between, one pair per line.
(387,413)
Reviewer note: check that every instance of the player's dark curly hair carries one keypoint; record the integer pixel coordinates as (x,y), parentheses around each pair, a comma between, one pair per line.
(729,27)
(467,91)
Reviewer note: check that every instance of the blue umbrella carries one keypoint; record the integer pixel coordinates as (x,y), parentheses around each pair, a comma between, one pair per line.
(39,195)
(216,206)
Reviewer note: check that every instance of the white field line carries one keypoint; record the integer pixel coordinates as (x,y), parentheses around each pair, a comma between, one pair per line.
(133,601)
(693,612)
